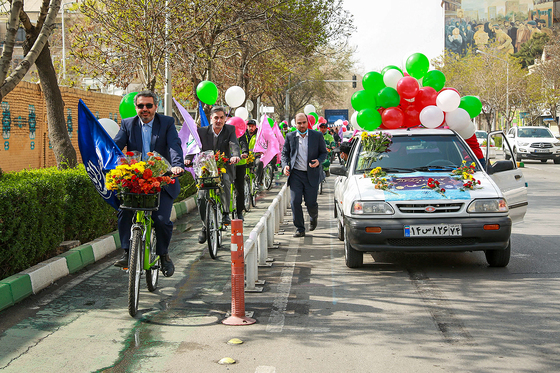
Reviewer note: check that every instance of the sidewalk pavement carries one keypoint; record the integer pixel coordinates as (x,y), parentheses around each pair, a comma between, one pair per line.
(15,288)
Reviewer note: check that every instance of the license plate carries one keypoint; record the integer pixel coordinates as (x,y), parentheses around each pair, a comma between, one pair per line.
(436,230)
(542,151)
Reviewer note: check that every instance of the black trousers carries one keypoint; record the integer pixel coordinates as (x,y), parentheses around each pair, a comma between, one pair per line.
(240,187)
(164,226)
(301,188)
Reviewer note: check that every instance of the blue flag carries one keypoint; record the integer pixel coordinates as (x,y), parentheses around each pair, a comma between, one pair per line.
(203,119)
(99,152)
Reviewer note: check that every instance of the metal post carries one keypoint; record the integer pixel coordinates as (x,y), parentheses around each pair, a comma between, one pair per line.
(270,229)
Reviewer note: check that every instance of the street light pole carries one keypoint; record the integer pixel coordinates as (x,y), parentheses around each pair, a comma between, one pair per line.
(64,42)
(507,81)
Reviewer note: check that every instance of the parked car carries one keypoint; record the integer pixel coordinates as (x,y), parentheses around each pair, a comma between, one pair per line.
(410,216)
(488,151)
(533,143)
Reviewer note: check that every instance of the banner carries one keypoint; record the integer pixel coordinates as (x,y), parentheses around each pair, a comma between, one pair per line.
(203,119)
(99,152)
(266,143)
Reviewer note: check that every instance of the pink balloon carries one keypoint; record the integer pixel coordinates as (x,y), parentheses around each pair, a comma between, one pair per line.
(311,120)
(239,124)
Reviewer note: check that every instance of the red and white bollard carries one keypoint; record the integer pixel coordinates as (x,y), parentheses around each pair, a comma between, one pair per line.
(237,277)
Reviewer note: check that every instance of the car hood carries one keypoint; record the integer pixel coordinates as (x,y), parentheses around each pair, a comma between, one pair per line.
(413,187)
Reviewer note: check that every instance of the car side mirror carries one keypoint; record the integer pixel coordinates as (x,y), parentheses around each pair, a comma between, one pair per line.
(500,166)
(338,169)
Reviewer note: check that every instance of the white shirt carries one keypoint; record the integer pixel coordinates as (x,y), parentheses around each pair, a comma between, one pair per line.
(301,158)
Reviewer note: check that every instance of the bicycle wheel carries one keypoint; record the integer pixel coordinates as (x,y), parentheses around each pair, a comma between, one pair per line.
(152,274)
(134,271)
(254,190)
(212,228)
(268,177)
(247,193)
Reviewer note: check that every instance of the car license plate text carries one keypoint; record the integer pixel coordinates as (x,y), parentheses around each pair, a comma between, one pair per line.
(432,230)
(542,151)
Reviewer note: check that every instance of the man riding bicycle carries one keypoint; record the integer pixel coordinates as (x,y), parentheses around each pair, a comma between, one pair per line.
(329,141)
(218,136)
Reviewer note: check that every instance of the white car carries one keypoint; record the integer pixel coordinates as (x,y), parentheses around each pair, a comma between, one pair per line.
(488,147)
(533,143)
(411,216)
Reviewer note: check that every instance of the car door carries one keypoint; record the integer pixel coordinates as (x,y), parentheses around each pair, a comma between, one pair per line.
(342,181)
(511,182)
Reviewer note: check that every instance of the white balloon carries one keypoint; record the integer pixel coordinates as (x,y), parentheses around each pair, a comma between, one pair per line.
(309,109)
(242,113)
(431,116)
(338,122)
(293,122)
(467,132)
(110,126)
(235,96)
(448,100)
(354,121)
(458,119)
(392,77)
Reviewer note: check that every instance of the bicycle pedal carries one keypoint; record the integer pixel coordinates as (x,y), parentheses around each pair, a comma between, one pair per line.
(154,267)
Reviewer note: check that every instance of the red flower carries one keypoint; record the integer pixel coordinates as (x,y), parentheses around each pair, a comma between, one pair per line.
(147,173)
(130,154)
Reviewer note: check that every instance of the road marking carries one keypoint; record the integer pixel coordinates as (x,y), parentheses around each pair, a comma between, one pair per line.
(447,322)
(265,369)
(277,315)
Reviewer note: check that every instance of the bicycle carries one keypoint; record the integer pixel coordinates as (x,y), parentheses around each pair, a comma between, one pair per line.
(215,212)
(142,255)
(268,175)
(251,188)
(326,171)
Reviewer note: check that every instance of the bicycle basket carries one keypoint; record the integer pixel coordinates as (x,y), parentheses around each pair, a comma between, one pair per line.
(204,183)
(144,202)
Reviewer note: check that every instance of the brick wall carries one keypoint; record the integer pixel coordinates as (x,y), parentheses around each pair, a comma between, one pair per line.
(25,141)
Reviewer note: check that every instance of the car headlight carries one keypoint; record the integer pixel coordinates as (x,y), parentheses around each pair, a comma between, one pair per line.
(523,143)
(488,205)
(556,143)
(372,208)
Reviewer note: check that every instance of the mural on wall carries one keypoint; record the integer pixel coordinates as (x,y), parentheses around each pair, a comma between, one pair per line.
(6,122)
(69,122)
(32,121)
(509,23)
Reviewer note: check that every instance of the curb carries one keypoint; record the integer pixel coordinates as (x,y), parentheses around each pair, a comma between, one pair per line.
(32,280)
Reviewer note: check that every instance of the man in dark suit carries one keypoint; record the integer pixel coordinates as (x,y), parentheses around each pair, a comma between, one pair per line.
(218,136)
(304,151)
(147,132)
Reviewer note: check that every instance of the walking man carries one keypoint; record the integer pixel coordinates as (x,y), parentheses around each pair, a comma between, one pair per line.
(146,132)
(303,153)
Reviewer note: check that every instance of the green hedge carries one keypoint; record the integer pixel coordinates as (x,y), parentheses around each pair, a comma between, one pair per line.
(41,208)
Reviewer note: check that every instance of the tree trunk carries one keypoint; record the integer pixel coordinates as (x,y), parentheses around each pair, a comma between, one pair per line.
(58,132)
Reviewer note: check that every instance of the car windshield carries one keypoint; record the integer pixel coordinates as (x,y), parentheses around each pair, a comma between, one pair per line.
(418,153)
(534,132)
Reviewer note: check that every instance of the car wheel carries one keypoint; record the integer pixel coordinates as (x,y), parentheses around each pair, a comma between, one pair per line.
(544,160)
(516,156)
(353,258)
(340,231)
(556,160)
(499,258)
(335,212)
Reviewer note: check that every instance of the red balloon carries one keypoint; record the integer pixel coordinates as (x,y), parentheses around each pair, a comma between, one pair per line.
(345,122)
(322,120)
(239,124)
(382,127)
(310,121)
(343,129)
(392,117)
(406,103)
(408,87)
(426,96)
(411,116)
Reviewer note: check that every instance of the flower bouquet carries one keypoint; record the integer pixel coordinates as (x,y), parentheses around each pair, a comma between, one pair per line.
(434,185)
(137,182)
(378,178)
(465,173)
(207,170)
(373,147)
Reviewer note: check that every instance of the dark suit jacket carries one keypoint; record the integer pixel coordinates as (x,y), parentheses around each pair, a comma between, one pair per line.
(316,150)
(227,144)
(165,141)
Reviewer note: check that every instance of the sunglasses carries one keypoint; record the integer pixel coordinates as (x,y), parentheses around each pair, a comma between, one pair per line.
(148,106)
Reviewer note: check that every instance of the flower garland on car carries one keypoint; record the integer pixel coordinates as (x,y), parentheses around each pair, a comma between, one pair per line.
(139,177)
(374,145)
(434,185)
(465,173)
(378,178)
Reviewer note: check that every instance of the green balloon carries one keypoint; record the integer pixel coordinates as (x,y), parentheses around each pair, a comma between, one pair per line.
(271,122)
(362,100)
(472,105)
(373,82)
(417,65)
(207,92)
(434,79)
(292,129)
(314,115)
(388,97)
(127,109)
(369,119)
(389,67)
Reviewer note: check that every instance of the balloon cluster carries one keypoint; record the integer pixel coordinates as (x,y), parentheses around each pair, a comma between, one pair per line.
(396,99)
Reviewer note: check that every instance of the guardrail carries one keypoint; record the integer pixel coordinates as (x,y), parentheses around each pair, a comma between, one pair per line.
(261,238)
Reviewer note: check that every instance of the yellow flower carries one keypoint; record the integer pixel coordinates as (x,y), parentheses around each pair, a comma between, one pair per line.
(223,170)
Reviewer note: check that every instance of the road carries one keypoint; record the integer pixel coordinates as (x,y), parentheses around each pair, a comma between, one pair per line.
(400,312)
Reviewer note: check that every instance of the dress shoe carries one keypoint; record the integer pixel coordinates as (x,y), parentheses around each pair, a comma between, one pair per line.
(202,236)
(313,225)
(226,220)
(123,261)
(167,267)
(299,234)
(240,216)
